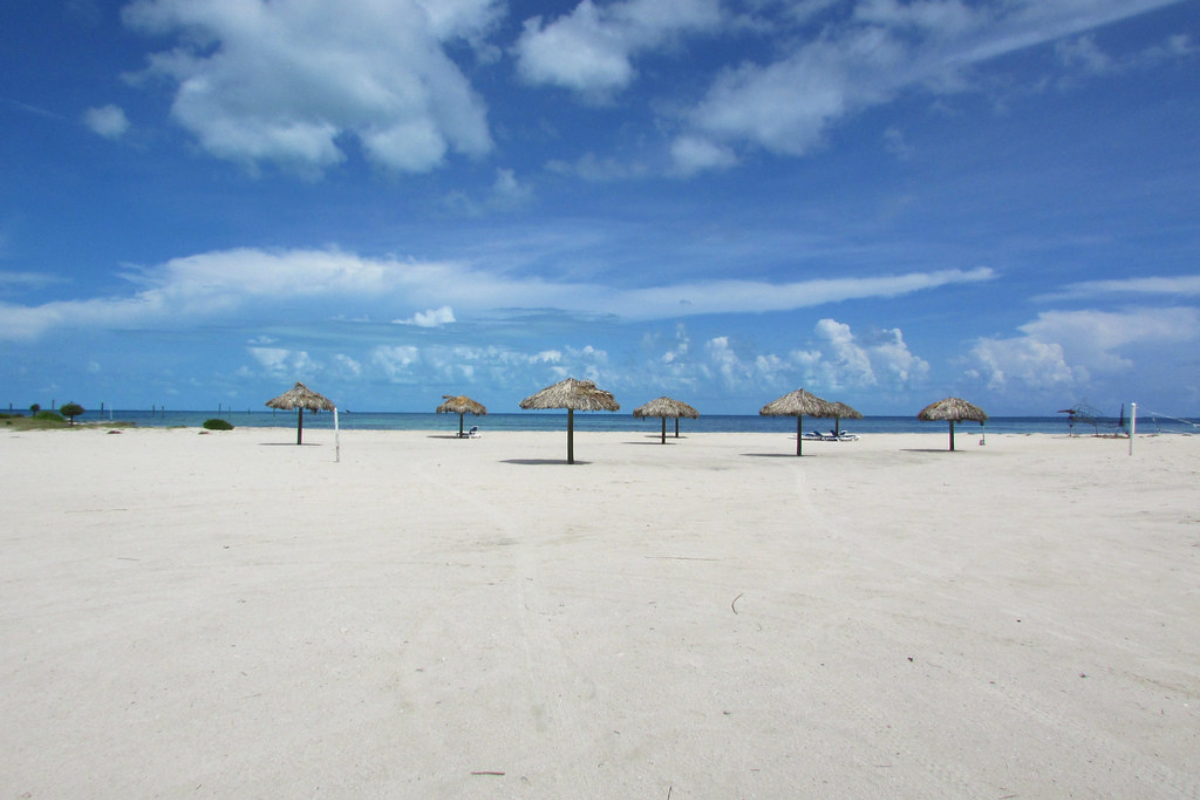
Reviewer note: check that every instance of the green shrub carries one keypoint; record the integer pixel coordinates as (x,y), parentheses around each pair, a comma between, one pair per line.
(49,416)
(217,425)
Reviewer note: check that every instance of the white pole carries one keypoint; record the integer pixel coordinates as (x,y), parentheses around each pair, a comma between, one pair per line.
(337,438)
(1132,425)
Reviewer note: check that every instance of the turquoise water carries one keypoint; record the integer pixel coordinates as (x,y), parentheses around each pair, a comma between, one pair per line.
(602,421)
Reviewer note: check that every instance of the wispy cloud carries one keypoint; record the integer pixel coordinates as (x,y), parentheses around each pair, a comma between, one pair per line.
(1175,286)
(257,284)
(882,49)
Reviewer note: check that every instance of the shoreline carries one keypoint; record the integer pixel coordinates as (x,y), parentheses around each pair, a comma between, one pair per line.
(228,613)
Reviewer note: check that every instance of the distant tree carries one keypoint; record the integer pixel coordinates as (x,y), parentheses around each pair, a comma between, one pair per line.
(71,411)
(36,407)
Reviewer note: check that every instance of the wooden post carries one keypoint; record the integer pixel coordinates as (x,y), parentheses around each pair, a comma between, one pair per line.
(952,436)
(664,431)
(677,427)
(570,436)
(799,431)
(299,424)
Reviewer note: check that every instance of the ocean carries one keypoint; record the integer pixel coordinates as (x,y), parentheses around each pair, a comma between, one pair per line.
(604,421)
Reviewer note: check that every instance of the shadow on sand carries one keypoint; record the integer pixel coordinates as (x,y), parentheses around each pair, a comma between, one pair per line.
(537,462)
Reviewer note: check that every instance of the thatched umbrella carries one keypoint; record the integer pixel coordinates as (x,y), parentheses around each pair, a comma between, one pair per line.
(301,397)
(460,405)
(954,410)
(797,404)
(842,411)
(666,407)
(574,396)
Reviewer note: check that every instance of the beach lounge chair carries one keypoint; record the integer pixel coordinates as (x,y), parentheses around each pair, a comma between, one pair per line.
(473,433)
(847,437)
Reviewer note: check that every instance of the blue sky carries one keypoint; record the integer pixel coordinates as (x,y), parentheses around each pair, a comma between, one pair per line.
(884,202)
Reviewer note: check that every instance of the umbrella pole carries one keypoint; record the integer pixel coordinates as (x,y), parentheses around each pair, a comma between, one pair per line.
(951,436)
(664,431)
(837,426)
(460,425)
(677,427)
(799,432)
(570,436)
(299,424)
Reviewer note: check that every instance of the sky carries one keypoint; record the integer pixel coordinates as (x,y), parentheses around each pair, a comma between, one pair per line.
(883,202)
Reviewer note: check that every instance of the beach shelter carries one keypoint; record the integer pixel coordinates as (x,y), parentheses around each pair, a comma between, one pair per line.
(842,411)
(460,405)
(797,404)
(301,397)
(666,407)
(574,396)
(953,410)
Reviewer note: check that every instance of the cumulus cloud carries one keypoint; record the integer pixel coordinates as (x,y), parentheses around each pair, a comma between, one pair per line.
(1067,348)
(311,284)
(867,58)
(107,121)
(433,318)
(591,50)
(840,358)
(288,83)
(280,361)
(837,359)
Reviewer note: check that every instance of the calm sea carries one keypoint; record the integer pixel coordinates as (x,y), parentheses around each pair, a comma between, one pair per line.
(601,421)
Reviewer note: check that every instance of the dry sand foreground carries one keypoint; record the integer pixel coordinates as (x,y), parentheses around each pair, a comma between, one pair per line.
(228,615)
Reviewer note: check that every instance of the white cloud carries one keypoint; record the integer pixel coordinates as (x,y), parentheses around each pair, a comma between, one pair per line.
(25,280)
(1025,362)
(1083,56)
(1094,338)
(1177,286)
(108,121)
(507,191)
(315,284)
(884,48)
(396,361)
(590,167)
(843,359)
(287,82)
(839,359)
(281,361)
(1064,348)
(433,318)
(692,154)
(591,50)
(348,365)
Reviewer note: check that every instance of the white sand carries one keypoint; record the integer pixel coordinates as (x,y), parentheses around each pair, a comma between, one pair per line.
(228,615)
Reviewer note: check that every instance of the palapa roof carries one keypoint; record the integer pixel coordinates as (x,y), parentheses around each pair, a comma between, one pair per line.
(953,409)
(572,394)
(300,396)
(798,403)
(666,407)
(460,404)
(843,411)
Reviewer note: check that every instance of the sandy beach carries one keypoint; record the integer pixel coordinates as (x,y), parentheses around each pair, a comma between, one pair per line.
(230,615)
